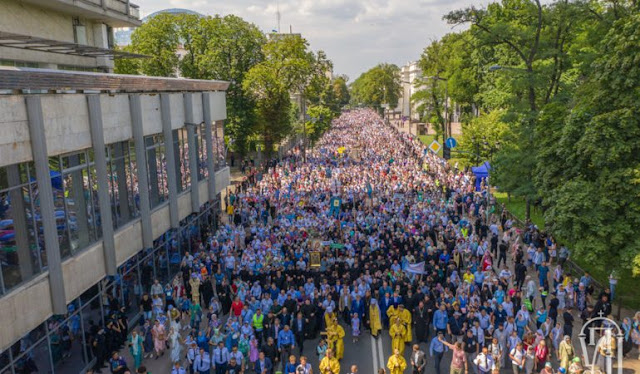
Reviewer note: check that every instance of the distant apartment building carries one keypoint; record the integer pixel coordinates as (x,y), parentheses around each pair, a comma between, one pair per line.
(105,180)
(409,74)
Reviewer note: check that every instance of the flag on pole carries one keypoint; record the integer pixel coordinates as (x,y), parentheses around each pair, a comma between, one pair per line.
(416,268)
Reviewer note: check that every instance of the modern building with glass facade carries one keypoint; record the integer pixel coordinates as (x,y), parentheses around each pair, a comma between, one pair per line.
(105,181)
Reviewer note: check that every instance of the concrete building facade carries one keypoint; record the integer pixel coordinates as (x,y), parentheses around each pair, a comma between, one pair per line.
(409,74)
(84,23)
(91,184)
(105,180)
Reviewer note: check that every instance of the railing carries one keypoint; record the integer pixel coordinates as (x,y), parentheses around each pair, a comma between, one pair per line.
(120,6)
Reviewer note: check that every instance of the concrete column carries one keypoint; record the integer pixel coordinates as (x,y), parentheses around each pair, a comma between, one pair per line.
(193,166)
(100,159)
(165,106)
(208,136)
(141,163)
(121,175)
(47,209)
(193,151)
(18,214)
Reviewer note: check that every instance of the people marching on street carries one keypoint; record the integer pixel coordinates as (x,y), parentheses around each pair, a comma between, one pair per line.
(371,234)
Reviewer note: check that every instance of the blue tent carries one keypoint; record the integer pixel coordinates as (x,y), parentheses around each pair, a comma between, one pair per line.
(56,179)
(481,172)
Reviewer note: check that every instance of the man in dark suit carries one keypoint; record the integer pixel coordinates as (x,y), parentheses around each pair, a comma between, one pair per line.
(357,306)
(298,327)
(385,303)
(286,317)
(264,365)
(270,350)
(274,330)
(418,360)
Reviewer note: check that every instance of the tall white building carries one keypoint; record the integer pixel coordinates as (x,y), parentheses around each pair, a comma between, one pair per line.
(409,74)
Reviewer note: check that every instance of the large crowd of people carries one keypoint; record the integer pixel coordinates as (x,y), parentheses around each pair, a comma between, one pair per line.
(370,233)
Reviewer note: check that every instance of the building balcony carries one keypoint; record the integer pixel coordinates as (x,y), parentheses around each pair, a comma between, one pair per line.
(116,13)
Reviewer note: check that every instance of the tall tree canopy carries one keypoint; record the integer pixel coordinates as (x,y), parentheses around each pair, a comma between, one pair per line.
(286,68)
(228,48)
(379,85)
(554,87)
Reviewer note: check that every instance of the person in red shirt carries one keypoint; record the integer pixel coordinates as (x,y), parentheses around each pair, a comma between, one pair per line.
(542,355)
(236,307)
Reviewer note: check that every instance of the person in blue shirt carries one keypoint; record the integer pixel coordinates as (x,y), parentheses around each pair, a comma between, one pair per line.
(440,319)
(177,369)
(286,341)
(117,364)
(478,278)
(437,350)
(290,367)
(202,362)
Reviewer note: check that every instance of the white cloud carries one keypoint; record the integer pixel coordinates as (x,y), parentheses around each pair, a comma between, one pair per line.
(356,34)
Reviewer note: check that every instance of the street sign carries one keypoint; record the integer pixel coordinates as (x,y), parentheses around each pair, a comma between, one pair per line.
(451,142)
(435,146)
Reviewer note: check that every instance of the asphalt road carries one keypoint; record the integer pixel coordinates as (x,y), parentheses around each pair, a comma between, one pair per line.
(368,353)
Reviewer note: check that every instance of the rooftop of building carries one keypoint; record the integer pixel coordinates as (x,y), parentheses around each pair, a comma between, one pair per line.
(18,80)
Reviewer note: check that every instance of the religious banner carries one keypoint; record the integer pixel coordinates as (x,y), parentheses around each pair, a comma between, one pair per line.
(314,259)
(416,268)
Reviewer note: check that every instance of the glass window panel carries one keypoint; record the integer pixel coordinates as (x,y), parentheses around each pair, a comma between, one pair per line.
(35,360)
(65,337)
(82,216)
(19,256)
(175,257)
(156,163)
(91,320)
(201,152)
(57,185)
(132,289)
(5,360)
(27,351)
(132,178)
(90,183)
(161,263)
(122,182)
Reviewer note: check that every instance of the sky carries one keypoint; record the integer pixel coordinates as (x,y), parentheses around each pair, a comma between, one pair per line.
(355,34)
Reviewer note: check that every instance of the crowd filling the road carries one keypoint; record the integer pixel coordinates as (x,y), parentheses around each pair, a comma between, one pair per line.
(370,233)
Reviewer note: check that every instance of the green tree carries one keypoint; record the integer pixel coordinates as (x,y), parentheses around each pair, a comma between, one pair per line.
(433,86)
(319,122)
(159,39)
(483,136)
(233,47)
(286,67)
(341,90)
(529,44)
(379,85)
(127,65)
(594,203)
(222,48)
